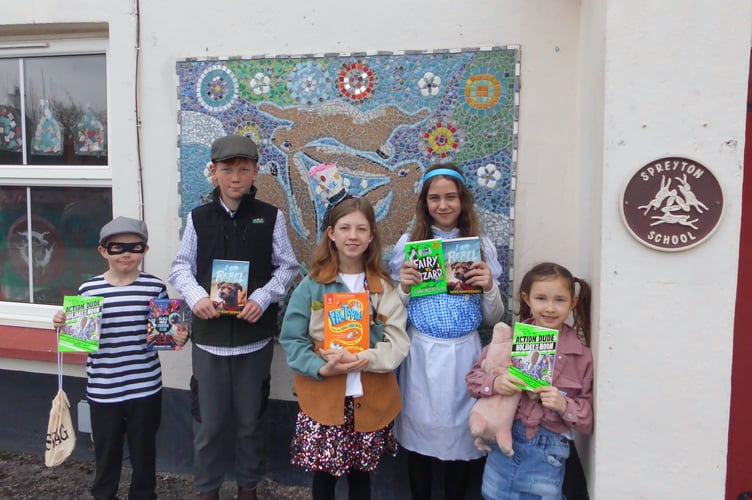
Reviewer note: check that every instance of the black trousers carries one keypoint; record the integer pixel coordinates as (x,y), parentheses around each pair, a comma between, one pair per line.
(358,485)
(455,476)
(135,421)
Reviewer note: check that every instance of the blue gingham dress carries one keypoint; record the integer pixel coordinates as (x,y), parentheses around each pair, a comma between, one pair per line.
(444,337)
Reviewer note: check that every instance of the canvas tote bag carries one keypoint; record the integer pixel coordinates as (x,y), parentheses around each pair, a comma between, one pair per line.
(61,437)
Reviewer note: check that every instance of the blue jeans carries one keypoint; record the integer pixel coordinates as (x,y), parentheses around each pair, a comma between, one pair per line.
(534,472)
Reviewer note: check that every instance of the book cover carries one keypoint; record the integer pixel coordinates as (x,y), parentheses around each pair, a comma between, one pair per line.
(166,316)
(459,256)
(229,283)
(346,321)
(533,354)
(428,255)
(83,323)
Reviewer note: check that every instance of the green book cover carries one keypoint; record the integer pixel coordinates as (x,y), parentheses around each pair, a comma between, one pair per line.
(428,255)
(83,322)
(533,354)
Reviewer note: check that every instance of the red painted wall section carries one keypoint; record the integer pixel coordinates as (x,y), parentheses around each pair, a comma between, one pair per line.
(34,345)
(739,460)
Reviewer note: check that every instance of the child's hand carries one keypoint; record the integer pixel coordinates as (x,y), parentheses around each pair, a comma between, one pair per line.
(552,398)
(181,335)
(251,311)
(335,366)
(504,383)
(58,321)
(346,357)
(204,309)
(409,275)
(480,275)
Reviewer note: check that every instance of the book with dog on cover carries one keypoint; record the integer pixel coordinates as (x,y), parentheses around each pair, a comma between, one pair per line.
(533,354)
(229,284)
(459,256)
(428,255)
(166,316)
(83,321)
(346,321)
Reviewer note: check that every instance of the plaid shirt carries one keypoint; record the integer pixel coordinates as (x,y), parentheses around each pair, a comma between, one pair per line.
(285,264)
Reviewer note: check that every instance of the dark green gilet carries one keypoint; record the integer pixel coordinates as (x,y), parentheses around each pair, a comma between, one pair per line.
(247,236)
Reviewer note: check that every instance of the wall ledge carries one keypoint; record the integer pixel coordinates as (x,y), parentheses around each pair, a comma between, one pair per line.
(34,344)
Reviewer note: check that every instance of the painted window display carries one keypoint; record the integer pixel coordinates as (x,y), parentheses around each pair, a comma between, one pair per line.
(383,118)
(53,115)
(56,246)
(64,108)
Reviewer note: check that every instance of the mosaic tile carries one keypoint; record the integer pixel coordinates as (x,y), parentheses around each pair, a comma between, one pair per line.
(383,118)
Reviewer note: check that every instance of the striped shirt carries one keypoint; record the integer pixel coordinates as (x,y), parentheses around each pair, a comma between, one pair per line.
(122,368)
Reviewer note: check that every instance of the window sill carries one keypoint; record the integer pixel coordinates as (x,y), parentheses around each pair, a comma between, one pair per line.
(34,345)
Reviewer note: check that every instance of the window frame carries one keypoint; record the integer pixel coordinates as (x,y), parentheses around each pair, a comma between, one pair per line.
(27,315)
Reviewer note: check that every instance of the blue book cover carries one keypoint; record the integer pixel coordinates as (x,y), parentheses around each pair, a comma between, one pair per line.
(165,317)
(459,256)
(229,285)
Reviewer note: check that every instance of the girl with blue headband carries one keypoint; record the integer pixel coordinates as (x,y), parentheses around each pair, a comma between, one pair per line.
(433,424)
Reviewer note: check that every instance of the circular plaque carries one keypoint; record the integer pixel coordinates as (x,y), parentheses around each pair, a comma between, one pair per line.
(672,204)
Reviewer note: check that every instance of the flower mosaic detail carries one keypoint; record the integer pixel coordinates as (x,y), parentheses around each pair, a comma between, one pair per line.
(429,85)
(208,175)
(260,84)
(442,138)
(488,176)
(308,83)
(246,126)
(217,88)
(356,81)
(483,92)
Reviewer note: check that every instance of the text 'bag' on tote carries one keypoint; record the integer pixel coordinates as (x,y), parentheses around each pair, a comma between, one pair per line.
(61,437)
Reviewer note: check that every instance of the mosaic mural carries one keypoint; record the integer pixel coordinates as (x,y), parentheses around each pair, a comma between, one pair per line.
(382,118)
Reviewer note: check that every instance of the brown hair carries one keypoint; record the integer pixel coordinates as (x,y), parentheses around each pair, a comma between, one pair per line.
(325,260)
(550,270)
(468,221)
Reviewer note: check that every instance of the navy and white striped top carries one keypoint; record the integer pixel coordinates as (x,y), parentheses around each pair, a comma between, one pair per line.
(122,368)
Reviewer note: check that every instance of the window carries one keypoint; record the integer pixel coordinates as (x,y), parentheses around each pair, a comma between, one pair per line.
(55,179)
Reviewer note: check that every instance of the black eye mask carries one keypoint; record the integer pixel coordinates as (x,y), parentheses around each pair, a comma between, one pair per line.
(117,248)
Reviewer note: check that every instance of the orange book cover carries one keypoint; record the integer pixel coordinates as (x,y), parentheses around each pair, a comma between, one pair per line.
(346,321)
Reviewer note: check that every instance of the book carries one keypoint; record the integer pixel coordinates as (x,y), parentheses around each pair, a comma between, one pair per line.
(459,256)
(533,354)
(428,255)
(229,284)
(165,317)
(83,324)
(346,322)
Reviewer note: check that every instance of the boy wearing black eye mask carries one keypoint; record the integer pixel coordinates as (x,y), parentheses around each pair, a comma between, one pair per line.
(124,386)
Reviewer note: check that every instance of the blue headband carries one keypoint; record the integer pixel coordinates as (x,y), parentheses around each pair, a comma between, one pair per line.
(443,171)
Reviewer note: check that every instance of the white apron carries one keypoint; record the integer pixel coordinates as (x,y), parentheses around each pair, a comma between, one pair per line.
(435,403)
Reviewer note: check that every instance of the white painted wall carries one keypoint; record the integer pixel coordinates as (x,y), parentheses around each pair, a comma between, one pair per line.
(606,86)
(675,83)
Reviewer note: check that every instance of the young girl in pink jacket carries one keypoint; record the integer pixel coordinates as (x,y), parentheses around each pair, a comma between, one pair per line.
(547,417)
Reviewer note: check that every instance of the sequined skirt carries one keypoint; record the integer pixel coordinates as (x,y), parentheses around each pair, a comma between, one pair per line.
(338,449)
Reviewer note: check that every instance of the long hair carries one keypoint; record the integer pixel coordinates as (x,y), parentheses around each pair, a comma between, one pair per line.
(468,220)
(549,270)
(325,260)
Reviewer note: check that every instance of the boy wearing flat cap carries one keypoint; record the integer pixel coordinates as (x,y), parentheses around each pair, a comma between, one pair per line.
(124,386)
(232,353)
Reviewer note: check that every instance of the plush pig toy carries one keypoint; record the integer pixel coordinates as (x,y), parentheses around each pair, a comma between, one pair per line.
(491,418)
